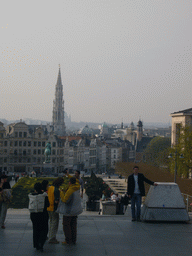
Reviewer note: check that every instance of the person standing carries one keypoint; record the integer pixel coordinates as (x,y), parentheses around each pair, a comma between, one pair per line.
(70,207)
(37,204)
(136,190)
(45,186)
(54,197)
(78,178)
(5,190)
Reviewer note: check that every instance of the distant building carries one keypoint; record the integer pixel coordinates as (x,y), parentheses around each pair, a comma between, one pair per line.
(180,119)
(58,108)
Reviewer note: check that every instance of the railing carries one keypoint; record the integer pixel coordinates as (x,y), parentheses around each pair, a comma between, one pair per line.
(188,202)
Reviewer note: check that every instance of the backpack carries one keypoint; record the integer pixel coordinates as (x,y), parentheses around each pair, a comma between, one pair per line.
(36,202)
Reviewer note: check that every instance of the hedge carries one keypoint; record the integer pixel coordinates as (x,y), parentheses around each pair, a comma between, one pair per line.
(24,186)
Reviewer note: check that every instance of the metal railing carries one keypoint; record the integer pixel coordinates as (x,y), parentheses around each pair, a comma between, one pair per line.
(188,202)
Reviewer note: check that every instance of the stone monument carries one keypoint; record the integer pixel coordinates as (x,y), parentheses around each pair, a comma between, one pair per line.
(164,202)
(47,166)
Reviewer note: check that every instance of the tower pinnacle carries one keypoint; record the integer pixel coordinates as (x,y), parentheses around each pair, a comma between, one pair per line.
(58,107)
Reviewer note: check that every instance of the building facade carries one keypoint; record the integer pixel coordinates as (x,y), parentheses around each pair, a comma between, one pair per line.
(180,119)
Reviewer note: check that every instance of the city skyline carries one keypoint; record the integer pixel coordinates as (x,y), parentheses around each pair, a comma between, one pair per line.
(125,60)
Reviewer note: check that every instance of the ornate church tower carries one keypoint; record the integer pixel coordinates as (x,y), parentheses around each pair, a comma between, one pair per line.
(58,108)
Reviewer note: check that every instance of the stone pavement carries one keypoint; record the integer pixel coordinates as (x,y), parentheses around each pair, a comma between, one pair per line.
(100,235)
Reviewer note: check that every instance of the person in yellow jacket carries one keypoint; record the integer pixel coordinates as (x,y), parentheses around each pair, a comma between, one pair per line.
(54,197)
(70,207)
(78,179)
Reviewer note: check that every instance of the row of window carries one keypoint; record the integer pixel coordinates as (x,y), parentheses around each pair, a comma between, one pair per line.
(27,143)
(21,134)
(30,160)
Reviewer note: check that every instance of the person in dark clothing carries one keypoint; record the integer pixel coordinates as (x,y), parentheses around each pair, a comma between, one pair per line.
(136,190)
(38,219)
(124,202)
(6,197)
(45,186)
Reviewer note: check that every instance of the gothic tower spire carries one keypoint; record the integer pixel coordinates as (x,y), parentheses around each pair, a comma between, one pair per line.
(58,107)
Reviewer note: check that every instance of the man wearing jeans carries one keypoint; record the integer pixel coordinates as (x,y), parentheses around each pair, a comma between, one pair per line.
(136,190)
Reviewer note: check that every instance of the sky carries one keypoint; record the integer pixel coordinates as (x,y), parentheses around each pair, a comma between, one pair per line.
(120,59)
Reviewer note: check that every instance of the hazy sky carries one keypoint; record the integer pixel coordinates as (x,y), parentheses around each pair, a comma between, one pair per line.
(119,59)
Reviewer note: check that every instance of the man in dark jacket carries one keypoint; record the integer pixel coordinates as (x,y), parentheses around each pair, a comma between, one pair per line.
(136,190)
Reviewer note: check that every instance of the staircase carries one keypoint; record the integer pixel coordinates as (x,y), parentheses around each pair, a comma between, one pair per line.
(119,186)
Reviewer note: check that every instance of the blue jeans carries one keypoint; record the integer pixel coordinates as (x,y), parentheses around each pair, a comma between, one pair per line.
(136,200)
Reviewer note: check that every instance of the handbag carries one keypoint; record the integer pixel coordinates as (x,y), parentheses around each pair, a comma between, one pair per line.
(65,208)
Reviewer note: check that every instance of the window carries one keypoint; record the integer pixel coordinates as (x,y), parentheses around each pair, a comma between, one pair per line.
(114,156)
(11,143)
(16,134)
(24,152)
(24,143)
(70,154)
(35,143)
(5,143)
(39,143)
(178,131)
(34,152)
(5,160)
(29,160)
(20,134)
(15,152)
(43,144)
(16,142)
(29,151)
(53,160)
(53,152)
(54,144)
(24,134)
(1,135)
(39,151)
(20,143)
(29,143)
(61,152)
(42,151)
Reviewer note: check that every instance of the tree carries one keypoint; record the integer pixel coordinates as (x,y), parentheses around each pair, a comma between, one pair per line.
(182,152)
(157,151)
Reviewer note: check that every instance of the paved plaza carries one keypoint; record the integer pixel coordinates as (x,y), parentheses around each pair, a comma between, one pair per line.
(100,235)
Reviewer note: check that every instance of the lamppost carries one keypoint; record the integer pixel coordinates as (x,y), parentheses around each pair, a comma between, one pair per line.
(176,155)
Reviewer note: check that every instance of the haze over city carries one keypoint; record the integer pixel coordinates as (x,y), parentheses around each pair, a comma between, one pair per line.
(119,59)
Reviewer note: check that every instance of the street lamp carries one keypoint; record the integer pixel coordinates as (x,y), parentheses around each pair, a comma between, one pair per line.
(171,156)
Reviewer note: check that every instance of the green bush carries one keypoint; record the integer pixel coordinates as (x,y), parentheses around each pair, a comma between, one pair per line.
(94,187)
